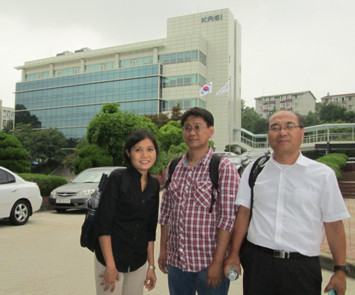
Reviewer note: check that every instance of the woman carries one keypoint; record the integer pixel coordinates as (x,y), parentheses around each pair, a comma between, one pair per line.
(126,222)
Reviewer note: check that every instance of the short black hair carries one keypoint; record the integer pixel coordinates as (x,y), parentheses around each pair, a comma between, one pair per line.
(299,118)
(198,112)
(135,137)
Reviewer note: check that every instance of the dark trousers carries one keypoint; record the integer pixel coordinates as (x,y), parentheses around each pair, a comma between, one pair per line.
(267,275)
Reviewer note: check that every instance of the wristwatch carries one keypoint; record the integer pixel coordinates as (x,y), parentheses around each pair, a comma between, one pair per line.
(151,267)
(345,268)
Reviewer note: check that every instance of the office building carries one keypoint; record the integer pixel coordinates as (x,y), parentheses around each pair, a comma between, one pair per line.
(67,90)
(6,115)
(345,100)
(298,102)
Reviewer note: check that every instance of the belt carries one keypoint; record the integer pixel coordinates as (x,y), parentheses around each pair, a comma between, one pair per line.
(281,254)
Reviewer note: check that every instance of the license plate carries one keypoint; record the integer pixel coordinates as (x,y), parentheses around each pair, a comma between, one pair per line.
(62,201)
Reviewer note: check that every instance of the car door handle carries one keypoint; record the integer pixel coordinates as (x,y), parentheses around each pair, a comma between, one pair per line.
(14,190)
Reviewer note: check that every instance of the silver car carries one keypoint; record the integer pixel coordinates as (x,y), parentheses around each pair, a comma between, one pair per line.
(76,194)
(19,198)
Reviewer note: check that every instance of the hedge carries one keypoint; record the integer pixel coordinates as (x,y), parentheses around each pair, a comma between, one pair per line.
(336,161)
(46,183)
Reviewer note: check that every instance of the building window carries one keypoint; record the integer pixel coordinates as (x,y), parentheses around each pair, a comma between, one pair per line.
(179,57)
(175,81)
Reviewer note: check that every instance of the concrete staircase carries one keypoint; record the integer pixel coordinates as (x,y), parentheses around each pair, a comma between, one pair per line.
(347,183)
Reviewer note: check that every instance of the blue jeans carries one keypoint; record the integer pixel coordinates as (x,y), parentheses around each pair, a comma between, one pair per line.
(188,283)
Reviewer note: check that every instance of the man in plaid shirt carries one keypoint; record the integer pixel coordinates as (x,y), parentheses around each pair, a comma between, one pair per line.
(194,241)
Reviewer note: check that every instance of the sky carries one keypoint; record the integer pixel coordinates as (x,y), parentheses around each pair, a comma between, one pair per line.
(287,45)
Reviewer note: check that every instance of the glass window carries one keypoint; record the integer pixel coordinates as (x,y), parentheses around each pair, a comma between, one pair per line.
(180,57)
(194,55)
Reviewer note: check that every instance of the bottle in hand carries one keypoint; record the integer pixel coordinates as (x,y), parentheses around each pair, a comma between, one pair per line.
(232,273)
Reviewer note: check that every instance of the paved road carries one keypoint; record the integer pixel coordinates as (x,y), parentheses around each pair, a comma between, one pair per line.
(44,257)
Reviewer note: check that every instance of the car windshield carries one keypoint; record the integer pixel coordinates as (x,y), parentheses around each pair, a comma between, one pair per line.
(90,176)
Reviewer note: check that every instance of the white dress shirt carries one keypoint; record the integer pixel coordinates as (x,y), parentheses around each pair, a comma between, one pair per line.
(291,202)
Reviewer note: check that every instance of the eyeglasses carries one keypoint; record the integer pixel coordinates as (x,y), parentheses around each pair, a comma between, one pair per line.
(196,128)
(288,127)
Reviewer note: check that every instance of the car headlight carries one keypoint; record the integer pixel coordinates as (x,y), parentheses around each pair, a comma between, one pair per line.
(85,193)
(53,193)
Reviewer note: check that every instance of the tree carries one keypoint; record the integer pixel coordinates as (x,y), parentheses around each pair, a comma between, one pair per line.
(311,119)
(176,113)
(43,146)
(110,128)
(91,155)
(331,113)
(165,157)
(25,117)
(12,154)
(160,119)
(253,122)
(9,127)
(170,134)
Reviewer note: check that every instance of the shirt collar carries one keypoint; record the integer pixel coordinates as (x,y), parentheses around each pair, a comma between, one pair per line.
(203,161)
(134,171)
(301,160)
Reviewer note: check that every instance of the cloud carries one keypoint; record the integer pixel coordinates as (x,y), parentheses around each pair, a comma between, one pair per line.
(287,45)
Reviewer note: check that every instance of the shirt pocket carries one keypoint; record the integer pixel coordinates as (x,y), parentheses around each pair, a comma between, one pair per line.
(175,190)
(203,193)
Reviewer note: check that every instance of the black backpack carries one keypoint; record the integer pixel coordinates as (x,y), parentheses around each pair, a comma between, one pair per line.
(254,172)
(214,174)
(88,237)
(257,167)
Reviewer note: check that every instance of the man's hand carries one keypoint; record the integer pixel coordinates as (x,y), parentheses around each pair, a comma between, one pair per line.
(214,274)
(162,262)
(337,282)
(232,260)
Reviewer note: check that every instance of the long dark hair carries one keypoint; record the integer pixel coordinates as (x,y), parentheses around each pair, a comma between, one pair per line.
(135,137)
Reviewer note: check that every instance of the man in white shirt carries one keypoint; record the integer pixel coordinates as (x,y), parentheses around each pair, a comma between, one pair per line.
(294,198)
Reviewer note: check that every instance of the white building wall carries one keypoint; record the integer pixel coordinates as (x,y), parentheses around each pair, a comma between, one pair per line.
(222,33)
(215,33)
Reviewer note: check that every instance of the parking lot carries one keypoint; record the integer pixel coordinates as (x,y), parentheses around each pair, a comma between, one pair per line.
(44,257)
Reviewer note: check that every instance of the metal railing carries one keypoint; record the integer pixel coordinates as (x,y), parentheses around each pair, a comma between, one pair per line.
(340,133)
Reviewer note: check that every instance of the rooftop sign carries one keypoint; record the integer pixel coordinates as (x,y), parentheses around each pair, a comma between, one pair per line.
(212,18)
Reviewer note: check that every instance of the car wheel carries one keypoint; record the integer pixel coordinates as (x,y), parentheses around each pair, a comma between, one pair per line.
(20,212)
(60,210)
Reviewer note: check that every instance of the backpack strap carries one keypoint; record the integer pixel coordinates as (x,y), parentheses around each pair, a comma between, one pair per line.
(214,175)
(172,167)
(257,167)
(102,182)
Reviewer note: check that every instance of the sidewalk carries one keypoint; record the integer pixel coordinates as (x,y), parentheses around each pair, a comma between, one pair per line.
(349,225)
(236,287)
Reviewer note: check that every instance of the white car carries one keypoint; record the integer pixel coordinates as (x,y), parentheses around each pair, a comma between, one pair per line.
(19,198)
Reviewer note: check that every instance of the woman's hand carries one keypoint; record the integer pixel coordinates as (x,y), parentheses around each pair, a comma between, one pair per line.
(150,279)
(110,276)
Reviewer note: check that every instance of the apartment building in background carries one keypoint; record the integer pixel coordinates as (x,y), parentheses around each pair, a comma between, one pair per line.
(345,100)
(298,102)
(6,114)
(66,91)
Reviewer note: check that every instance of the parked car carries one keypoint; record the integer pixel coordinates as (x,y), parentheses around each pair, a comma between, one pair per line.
(19,198)
(252,155)
(234,158)
(75,194)
(226,154)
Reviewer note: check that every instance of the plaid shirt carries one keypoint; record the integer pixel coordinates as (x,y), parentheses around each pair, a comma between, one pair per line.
(192,237)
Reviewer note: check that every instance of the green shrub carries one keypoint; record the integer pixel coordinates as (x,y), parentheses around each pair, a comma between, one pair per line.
(336,161)
(46,183)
